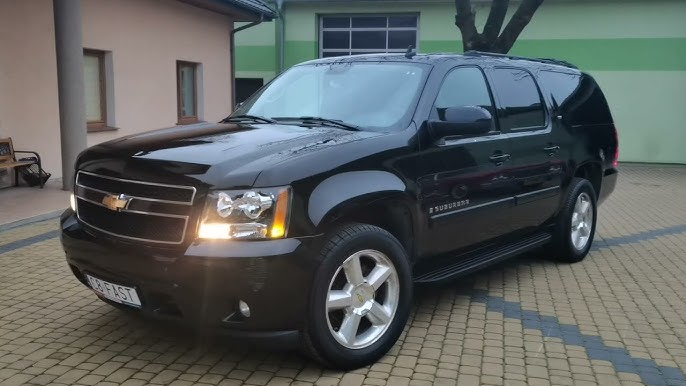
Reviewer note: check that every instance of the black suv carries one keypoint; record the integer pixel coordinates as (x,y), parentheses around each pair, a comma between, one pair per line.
(307,215)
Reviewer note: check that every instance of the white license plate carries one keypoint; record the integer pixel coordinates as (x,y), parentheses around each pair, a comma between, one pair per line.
(115,292)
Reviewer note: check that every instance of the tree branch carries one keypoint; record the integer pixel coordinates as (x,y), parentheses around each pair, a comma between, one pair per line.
(519,20)
(464,20)
(495,20)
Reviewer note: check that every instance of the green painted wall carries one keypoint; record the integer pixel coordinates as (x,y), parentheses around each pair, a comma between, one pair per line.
(656,54)
(635,49)
(649,111)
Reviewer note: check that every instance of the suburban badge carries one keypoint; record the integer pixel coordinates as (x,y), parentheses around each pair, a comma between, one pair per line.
(442,208)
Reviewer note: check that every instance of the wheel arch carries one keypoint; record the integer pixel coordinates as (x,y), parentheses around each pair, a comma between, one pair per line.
(591,171)
(376,198)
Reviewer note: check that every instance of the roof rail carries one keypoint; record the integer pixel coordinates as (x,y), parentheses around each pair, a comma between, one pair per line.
(539,60)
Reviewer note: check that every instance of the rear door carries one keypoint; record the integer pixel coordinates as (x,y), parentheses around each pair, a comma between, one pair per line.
(467,195)
(537,168)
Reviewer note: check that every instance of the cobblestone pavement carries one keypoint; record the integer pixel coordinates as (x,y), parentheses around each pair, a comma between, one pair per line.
(617,318)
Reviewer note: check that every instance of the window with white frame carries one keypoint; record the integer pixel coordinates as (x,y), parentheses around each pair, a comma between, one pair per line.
(187,88)
(366,34)
(94,81)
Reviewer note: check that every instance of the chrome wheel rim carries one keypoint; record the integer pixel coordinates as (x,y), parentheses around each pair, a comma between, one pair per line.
(582,221)
(362,299)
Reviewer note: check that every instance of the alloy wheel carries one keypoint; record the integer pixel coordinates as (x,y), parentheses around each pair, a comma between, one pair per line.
(362,299)
(582,221)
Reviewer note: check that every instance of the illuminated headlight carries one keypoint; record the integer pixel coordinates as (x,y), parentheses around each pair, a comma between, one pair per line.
(72,202)
(253,214)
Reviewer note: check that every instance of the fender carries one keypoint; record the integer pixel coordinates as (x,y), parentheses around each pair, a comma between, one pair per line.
(341,188)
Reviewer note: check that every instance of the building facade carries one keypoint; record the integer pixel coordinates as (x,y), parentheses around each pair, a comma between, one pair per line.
(636,49)
(147,64)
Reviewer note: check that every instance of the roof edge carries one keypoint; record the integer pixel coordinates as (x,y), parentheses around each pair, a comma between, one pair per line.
(240,10)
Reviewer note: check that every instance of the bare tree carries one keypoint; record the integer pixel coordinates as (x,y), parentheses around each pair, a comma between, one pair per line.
(494,37)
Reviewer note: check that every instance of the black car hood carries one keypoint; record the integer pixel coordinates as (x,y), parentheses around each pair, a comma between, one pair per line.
(219,155)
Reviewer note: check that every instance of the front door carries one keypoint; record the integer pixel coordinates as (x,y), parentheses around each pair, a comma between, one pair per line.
(537,168)
(467,194)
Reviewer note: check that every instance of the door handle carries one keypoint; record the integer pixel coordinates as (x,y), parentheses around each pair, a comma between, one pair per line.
(498,159)
(551,150)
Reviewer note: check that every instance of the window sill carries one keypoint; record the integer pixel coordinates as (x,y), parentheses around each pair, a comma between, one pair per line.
(188,121)
(99,128)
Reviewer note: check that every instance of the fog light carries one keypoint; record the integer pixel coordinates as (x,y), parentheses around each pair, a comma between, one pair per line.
(243,308)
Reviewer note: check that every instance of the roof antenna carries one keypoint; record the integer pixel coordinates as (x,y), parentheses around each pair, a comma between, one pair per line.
(410,52)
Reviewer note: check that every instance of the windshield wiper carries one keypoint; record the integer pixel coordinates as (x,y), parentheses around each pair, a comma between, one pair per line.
(247,117)
(321,121)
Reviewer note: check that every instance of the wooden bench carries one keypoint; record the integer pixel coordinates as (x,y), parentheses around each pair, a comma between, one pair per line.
(9,160)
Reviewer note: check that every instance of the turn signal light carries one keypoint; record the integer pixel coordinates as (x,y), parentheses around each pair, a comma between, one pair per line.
(280,215)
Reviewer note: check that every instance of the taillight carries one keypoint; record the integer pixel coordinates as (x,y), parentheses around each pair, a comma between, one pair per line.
(615,163)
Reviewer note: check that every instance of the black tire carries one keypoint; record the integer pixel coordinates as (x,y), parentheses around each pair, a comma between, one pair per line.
(562,246)
(319,341)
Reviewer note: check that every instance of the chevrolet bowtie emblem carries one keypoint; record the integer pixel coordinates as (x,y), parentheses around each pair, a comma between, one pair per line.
(116,202)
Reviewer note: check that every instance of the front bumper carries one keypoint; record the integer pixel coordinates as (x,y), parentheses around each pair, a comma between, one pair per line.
(202,283)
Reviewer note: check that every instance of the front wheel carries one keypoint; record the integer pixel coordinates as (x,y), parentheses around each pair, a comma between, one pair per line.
(360,299)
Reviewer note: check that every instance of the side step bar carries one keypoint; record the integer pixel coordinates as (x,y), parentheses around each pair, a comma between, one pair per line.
(482,259)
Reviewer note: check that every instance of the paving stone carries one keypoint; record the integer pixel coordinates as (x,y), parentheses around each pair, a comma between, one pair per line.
(352,380)
(90,379)
(165,377)
(617,318)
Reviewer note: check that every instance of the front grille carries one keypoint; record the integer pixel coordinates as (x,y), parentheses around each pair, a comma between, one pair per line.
(183,194)
(135,210)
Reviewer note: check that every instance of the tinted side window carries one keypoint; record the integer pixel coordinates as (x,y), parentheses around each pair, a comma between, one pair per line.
(559,85)
(520,102)
(578,97)
(464,86)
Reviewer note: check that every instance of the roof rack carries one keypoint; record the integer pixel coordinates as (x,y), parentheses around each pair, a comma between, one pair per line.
(540,60)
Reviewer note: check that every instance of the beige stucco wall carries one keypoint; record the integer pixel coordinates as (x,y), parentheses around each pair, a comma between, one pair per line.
(28,79)
(145,38)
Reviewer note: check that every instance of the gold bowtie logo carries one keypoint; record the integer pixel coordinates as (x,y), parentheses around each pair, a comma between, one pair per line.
(116,202)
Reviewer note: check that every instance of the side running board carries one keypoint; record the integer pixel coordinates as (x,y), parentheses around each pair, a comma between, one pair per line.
(464,266)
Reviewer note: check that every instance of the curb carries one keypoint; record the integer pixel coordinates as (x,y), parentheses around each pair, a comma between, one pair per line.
(31,220)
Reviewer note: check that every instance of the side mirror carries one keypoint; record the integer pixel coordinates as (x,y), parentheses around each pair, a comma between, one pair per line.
(463,120)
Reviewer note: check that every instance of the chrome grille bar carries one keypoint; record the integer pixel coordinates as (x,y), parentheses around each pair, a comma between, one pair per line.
(134,223)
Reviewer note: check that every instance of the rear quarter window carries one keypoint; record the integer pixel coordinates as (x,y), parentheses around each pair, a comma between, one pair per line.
(577,97)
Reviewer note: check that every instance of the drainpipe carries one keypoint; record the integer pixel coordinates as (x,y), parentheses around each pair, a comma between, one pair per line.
(70,88)
(233,57)
(282,34)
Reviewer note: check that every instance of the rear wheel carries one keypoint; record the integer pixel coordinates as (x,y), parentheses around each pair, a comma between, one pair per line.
(361,297)
(576,223)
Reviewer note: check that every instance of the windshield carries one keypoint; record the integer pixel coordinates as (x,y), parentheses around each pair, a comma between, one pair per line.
(372,96)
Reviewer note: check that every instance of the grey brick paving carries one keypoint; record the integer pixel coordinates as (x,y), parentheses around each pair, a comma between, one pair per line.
(617,318)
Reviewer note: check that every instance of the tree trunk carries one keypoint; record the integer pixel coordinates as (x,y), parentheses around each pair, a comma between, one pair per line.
(464,20)
(492,40)
(520,19)
(495,20)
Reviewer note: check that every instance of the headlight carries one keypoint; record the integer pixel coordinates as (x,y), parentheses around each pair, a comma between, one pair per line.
(72,202)
(253,214)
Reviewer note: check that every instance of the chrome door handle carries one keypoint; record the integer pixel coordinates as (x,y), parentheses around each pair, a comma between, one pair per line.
(551,150)
(498,159)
